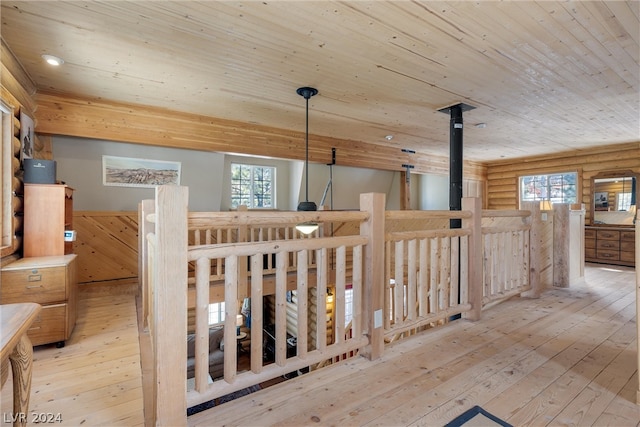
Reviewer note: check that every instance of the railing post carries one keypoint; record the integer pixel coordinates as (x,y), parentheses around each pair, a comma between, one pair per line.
(170,301)
(243,262)
(373,290)
(474,292)
(145,207)
(536,235)
(561,249)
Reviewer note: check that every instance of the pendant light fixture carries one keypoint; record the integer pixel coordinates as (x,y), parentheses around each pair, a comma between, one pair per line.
(307,92)
(307,227)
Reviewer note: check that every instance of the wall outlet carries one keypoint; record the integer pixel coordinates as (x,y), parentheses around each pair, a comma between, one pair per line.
(69,235)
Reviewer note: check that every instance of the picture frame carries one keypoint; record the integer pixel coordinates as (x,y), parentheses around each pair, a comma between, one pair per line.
(601,200)
(27,137)
(133,172)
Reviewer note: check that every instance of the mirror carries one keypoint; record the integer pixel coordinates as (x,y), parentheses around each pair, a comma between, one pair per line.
(614,198)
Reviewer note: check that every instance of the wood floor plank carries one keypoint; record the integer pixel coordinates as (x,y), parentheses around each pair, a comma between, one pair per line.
(522,349)
(622,411)
(95,379)
(568,379)
(598,395)
(567,358)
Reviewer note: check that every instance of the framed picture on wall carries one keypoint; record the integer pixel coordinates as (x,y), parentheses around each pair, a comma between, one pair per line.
(131,172)
(26,137)
(601,200)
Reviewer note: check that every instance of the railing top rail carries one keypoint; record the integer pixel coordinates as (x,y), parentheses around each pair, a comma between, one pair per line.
(487,213)
(422,215)
(255,248)
(427,234)
(269,218)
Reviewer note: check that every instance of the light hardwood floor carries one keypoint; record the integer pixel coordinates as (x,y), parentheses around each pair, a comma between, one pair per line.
(95,379)
(568,358)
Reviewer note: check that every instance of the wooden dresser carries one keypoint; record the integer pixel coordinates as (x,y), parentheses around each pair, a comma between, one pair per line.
(610,245)
(50,281)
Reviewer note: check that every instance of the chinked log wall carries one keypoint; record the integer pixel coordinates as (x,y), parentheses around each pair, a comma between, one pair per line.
(502,177)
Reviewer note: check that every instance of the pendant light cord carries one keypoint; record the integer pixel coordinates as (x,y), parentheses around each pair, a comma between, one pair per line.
(306,196)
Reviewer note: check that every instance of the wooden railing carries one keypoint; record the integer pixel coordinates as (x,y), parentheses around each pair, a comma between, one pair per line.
(436,272)
(165,279)
(426,269)
(505,254)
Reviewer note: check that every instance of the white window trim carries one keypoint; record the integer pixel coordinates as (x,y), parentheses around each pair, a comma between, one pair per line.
(6,171)
(273,184)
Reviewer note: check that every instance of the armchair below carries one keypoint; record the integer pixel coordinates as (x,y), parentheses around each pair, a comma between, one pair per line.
(216,355)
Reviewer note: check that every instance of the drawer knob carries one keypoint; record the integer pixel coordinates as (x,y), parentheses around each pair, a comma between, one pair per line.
(33,286)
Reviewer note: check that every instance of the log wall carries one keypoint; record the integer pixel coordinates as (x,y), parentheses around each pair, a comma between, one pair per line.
(17,91)
(502,177)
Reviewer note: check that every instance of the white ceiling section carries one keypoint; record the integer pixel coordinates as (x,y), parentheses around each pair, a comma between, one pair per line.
(544,76)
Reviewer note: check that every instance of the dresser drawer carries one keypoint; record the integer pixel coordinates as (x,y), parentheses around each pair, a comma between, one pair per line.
(628,256)
(628,246)
(606,255)
(590,253)
(628,236)
(589,234)
(613,245)
(49,326)
(41,285)
(608,235)
(590,243)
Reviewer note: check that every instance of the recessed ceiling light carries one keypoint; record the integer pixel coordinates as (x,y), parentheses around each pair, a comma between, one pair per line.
(388,137)
(53,60)
(481,125)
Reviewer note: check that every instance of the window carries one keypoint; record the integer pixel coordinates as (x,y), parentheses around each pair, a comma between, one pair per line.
(216,313)
(624,201)
(555,188)
(253,186)
(6,171)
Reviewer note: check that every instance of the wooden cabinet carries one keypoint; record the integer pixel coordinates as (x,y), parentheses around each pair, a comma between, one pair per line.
(51,282)
(610,245)
(48,212)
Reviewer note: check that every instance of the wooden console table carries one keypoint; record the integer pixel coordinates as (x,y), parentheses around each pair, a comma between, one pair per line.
(15,320)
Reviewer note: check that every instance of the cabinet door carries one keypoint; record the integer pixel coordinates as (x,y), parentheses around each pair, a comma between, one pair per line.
(44,219)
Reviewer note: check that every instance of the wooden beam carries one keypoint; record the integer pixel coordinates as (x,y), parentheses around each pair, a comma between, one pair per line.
(100,119)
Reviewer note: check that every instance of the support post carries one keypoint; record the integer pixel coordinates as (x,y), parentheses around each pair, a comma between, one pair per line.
(373,292)
(405,190)
(243,262)
(170,300)
(561,248)
(536,247)
(474,292)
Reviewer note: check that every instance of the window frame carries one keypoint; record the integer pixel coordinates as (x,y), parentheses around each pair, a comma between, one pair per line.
(6,172)
(253,167)
(548,197)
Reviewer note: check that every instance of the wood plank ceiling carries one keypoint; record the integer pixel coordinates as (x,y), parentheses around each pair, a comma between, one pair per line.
(545,76)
